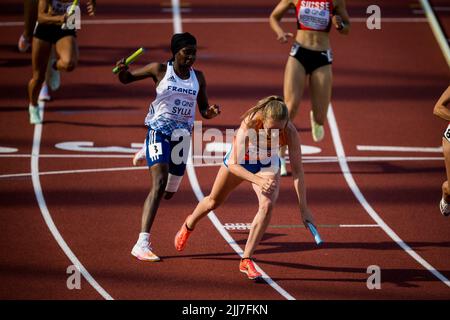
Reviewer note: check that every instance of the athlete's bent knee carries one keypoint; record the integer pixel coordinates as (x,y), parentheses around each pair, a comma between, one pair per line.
(211,203)
(68,65)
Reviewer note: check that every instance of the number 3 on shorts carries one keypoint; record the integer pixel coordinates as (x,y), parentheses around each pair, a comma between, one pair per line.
(155,150)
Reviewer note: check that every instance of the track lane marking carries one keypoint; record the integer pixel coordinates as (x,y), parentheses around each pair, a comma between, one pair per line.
(399,149)
(338,145)
(46,213)
(215,164)
(437,31)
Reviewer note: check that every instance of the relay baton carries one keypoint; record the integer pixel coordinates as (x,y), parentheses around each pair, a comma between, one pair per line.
(130,59)
(73,6)
(315,233)
(70,12)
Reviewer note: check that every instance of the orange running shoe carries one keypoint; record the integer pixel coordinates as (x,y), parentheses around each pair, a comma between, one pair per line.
(181,237)
(246,266)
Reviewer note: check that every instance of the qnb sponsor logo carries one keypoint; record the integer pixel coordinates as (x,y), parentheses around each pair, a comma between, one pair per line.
(182,90)
(184,103)
(183,107)
(315,5)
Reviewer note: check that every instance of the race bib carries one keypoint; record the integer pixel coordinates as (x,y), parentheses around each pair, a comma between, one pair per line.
(316,19)
(447,133)
(155,150)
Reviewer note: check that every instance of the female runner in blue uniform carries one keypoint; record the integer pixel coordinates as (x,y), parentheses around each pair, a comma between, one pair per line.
(310,57)
(170,121)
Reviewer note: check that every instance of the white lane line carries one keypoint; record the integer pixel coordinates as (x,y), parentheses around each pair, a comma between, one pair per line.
(207,21)
(176,17)
(67,156)
(240,226)
(46,213)
(437,31)
(218,163)
(435,9)
(47,173)
(399,149)
(359,226)
(224,233)
(199,194)
(365,204)
(8,150)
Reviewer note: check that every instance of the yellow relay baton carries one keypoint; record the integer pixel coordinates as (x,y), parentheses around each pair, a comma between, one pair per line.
(130,59)
(73,6)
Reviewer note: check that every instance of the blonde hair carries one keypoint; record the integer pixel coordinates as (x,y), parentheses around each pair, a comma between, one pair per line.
(272,107)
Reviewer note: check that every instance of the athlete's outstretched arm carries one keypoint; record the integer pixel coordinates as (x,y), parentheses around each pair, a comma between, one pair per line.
(275,19)
(207,111)
(441,108)
(341,19)
(149,71)
(295,157)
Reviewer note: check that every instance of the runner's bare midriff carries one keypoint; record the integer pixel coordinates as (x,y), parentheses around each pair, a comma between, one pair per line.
(313,40)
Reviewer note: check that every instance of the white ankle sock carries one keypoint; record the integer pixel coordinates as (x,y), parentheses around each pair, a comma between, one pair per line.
(144,237)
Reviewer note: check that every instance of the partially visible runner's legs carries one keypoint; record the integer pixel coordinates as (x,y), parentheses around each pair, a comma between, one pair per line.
(258,228)
(40,53)
(225,183)
(444,203)
(294,84)
(320,86)
(143,249)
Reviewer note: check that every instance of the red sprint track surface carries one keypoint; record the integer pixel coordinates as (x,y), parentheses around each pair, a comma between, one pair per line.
(68,204)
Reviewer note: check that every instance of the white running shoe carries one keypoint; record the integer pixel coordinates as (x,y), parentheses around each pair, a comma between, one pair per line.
(35,117)
(24,44)
(445,208)
(139,157)
(44,94)
(316,129)
(283,169)
(143,251)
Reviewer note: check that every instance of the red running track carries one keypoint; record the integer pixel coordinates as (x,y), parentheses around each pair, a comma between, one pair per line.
(383,95)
